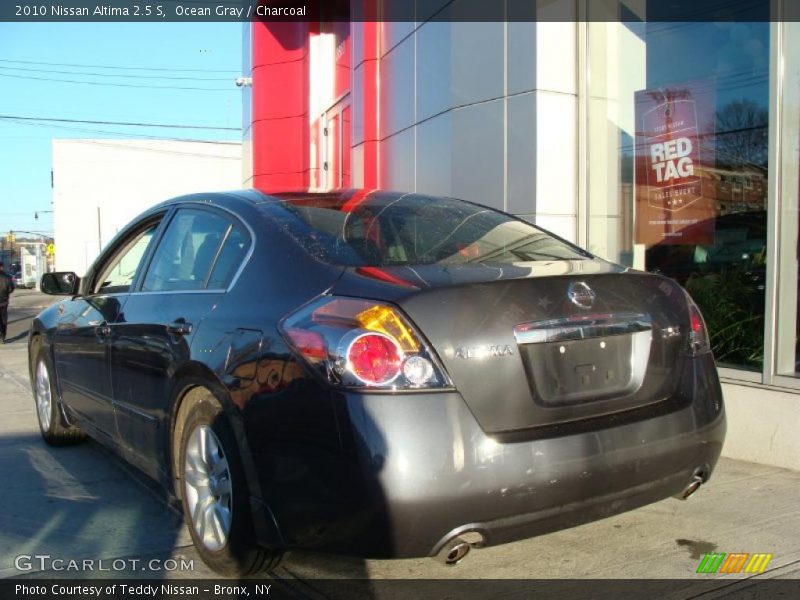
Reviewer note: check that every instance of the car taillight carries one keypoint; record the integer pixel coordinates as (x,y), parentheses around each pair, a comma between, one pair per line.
(699,342)
(363,344)
(309,344)
(375,359)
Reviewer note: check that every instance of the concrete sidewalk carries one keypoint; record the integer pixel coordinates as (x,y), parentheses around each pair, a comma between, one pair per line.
(82,502)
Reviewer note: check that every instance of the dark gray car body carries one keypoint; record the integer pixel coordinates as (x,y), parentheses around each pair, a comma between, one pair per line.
(502,451)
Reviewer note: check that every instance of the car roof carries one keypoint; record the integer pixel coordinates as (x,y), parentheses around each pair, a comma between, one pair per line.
(232,199)
(254,197)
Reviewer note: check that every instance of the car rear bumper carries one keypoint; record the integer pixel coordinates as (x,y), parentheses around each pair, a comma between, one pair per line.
(416,470)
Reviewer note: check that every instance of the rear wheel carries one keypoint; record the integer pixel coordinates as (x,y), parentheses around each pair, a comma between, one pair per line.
(215,498)
(48,409)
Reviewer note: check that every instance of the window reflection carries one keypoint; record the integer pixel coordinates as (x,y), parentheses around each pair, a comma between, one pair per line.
(384,230)
(684,107)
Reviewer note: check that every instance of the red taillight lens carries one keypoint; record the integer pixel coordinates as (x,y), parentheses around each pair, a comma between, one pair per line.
(362,343)
(696,319)
(375,359)
(699,342)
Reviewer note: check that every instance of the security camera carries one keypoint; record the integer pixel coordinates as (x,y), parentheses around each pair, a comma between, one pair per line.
(243,81)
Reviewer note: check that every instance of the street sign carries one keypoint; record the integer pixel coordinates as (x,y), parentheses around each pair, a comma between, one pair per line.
(51,249)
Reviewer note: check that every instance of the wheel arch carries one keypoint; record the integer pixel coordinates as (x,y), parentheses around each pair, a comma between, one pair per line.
(40,337)
(192,380)
(34,340)
(67,428)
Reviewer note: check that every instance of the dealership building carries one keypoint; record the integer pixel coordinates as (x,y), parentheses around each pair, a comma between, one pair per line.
(667,146)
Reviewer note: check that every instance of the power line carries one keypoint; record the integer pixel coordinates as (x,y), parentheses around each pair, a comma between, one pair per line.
(128,85)
(122,75)
(45,233)
(122,123)
(116,133)
(27,212)
(166,69)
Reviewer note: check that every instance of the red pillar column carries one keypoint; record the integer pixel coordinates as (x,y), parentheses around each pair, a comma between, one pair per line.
(370,87)
(280,100)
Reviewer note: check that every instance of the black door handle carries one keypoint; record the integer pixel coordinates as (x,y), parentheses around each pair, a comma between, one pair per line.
(180,327)
(102,330)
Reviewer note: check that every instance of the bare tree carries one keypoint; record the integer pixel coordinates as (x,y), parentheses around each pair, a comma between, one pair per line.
(742,133)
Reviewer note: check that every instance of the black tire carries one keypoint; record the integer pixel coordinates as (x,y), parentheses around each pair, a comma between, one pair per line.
(240,554)
(52,425)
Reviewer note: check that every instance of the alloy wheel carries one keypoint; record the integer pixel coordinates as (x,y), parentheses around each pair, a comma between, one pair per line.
(207,486)
(44,398)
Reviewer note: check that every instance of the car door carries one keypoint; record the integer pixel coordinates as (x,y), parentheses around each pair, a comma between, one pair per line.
(195,262)
(81,343)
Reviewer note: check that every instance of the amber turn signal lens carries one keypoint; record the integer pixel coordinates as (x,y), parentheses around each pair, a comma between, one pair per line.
(383,319)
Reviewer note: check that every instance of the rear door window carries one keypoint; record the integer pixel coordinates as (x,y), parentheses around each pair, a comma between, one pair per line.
(188,251)
(231,256)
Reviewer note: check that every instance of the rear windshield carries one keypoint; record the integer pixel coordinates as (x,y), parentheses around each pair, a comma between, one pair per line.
(388,230)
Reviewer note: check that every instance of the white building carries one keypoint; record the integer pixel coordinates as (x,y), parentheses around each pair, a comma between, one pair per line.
(99,185)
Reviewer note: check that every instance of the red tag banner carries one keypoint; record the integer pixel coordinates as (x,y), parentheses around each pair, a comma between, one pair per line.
(672,204)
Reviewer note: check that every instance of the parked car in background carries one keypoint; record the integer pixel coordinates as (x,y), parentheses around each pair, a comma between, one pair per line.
(376,373)
(19,281)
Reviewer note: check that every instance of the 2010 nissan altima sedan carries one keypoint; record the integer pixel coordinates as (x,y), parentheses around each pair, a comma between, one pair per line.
(375,373)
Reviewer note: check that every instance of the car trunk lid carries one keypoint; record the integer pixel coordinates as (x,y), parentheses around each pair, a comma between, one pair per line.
(542,345)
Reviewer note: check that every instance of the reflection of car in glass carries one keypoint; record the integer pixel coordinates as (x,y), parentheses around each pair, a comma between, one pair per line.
(727,279)
(740,240)
(375,373)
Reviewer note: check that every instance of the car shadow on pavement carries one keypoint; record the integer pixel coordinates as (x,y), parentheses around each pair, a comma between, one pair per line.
(84,504)
(76,503)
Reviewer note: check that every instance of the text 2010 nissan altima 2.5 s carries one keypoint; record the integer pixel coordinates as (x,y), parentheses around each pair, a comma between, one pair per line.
(374,373)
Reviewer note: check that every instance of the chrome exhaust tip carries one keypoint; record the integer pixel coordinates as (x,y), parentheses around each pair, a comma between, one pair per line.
(690,489)
(458,546)
(453,552)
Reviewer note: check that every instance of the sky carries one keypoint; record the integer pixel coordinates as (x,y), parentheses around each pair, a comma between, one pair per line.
(115,57)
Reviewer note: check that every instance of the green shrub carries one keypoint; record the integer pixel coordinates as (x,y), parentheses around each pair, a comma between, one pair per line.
(733,307)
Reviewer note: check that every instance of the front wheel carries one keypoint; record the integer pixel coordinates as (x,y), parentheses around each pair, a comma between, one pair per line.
(215,497)
(51,422)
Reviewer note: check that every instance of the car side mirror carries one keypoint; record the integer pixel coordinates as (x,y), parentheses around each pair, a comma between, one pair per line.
(63,283)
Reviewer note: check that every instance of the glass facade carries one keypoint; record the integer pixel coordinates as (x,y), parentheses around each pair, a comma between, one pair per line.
(785,328)
(671,147)
(679,153)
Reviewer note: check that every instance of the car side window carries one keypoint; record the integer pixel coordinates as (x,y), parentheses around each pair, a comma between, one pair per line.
(118,275)
(234,249)
(186,253)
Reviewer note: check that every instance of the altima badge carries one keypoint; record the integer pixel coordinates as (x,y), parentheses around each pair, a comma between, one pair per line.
(581,295)
(484,351)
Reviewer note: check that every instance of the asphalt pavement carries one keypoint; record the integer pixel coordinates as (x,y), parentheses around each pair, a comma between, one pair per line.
(82,502)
